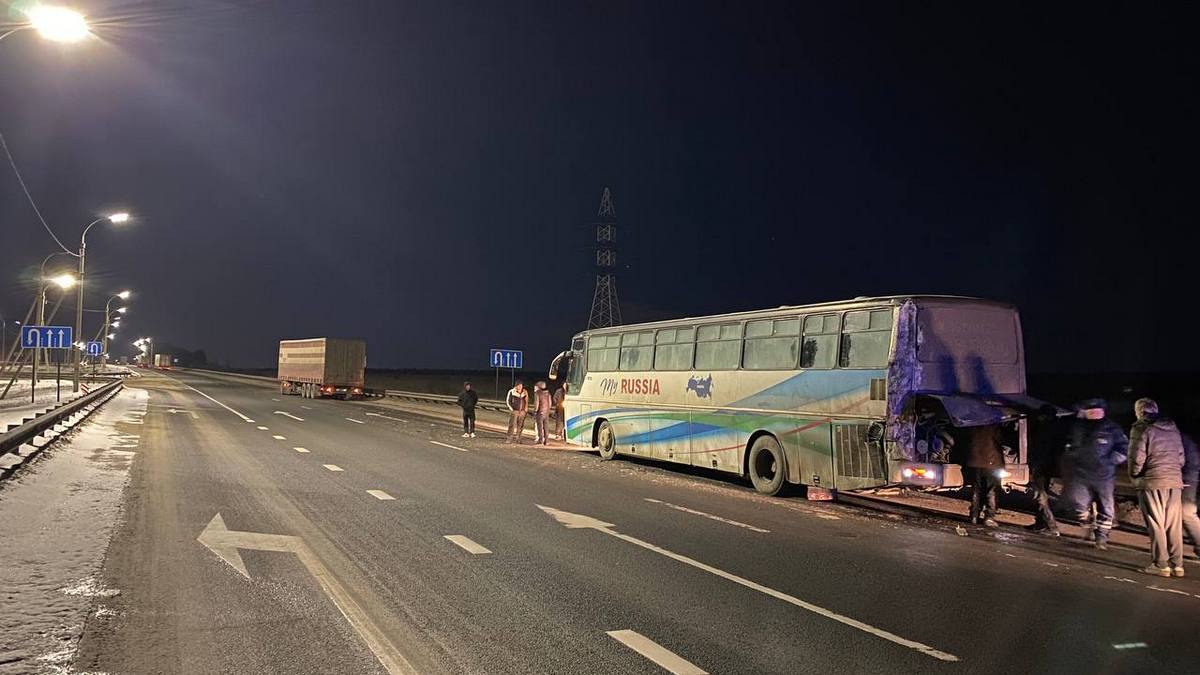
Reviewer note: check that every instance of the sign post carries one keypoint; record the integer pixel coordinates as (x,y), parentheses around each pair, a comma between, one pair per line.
(45,337)
(513,359)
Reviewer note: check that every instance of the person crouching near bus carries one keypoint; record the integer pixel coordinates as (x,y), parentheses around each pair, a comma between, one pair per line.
(1095,447)
(467,400)
(518,403)
(560,416)
(541,411)
(984,462)
(1156,468)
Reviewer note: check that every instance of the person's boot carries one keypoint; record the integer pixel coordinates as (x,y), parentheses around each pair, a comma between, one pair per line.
(1101,541)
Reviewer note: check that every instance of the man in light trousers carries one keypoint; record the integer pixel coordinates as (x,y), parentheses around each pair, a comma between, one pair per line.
(1156,468)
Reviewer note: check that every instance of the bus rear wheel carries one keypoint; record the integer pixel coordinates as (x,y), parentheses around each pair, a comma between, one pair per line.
(606,441)
(768,467)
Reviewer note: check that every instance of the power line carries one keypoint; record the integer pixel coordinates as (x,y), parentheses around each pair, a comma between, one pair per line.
(13,163)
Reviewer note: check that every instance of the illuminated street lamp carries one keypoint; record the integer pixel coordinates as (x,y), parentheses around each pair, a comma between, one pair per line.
(58,24)
(109,315)
(114,218)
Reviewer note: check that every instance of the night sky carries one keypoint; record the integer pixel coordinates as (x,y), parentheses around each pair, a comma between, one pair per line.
(425,174)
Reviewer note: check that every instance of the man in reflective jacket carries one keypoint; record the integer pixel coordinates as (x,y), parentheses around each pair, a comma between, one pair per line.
(1095,447)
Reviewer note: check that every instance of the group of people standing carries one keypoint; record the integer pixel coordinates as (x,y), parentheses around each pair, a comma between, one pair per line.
(544,407)
(1163,465)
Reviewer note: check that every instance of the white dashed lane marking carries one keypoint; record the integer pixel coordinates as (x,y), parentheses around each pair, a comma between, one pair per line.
(381,495)
(665,658)
(332,467)
(262,428)
(279,438)
(466,544)
(447,445)
(351,419)
(300,449)
(710,516)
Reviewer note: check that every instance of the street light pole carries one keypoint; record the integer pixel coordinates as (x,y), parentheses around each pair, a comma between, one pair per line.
(114,218)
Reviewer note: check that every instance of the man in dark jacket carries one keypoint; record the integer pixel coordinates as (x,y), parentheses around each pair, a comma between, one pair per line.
(1095,447)
(983,463)
(1046,443)
(1191,475)
(1156,469)
(517,400)
(560,413)
(467,400)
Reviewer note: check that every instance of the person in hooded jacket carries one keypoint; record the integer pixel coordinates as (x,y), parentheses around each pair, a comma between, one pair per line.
(467,400)
(1156,469)
(1191,476)
(1095,447)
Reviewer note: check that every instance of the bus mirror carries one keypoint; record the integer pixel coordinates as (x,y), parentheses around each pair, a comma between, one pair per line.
(553,374)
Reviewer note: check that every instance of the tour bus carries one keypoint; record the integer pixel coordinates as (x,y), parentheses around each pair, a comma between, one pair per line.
(836,396)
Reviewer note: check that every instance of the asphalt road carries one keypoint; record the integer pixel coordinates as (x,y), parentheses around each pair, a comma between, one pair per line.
(697,573)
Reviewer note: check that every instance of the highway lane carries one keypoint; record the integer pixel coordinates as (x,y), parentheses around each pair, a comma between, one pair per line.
(546,598)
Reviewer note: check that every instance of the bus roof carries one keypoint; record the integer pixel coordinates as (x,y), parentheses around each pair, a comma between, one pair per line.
(838,305)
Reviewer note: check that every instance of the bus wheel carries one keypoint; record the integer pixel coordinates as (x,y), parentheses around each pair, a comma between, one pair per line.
(606,441)
(768,468)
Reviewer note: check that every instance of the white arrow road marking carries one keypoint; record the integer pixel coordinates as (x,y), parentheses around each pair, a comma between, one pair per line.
(466,544)
(577,521)
(300,449)
(447,445)
(667,659)
(285,414)
(381,495)
(386,417)
(225,543)
(351,419)
(332,467)
(218,402)
(279,438)
(707,515)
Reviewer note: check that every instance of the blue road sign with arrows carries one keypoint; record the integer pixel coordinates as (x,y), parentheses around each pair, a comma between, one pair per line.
(47,337)
(507,358)
(95,348)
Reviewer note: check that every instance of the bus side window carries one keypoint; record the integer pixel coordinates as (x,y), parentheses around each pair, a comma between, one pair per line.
(819,349)
(866,339)
(719,347)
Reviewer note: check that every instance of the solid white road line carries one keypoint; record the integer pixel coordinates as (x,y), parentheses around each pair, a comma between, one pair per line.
(287,414)
(300,449)
(466,544)
(386,417)
(707,515)
(279,438)
(351,419)
(381,495)
(667,659)
(217,402)
(332,467)
(579,521)
(262,428)
(447,445)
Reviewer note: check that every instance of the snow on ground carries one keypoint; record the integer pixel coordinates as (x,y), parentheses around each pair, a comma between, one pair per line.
(56,517)
(17,405)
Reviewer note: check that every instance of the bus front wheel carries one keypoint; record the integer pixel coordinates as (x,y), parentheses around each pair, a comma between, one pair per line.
(606,441)
(768,467)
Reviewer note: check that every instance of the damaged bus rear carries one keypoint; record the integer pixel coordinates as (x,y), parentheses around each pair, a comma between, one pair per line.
(957,363)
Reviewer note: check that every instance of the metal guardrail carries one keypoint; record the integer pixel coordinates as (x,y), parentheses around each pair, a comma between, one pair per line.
(18,435)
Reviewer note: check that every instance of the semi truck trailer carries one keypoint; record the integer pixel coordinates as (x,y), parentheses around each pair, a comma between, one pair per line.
(318,367)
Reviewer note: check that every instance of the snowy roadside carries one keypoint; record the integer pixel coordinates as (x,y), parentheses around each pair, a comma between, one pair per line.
(56,517)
